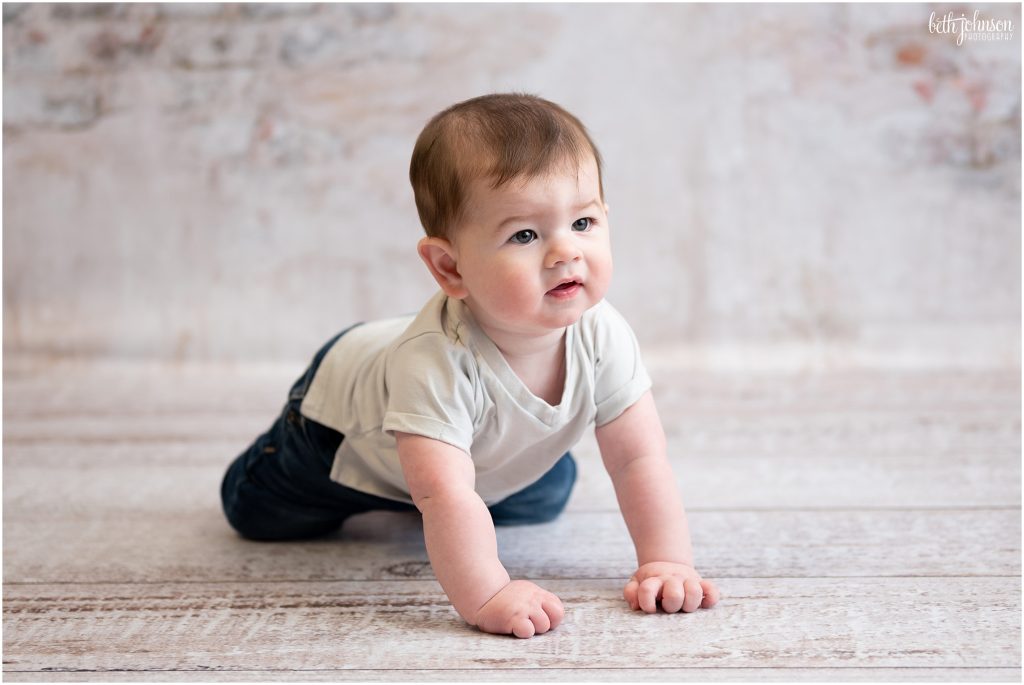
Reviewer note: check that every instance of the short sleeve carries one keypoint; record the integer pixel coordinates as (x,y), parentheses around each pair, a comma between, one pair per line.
(620,378)
(430,391)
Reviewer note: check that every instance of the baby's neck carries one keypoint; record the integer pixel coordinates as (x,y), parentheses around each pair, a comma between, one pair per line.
(539,364)
(526,349)
(516,345)
(538,360)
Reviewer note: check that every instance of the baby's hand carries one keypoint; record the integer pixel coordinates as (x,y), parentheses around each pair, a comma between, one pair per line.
(678,586)
(522,609)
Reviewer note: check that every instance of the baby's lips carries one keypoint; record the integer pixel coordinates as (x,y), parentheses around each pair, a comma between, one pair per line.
(567,284)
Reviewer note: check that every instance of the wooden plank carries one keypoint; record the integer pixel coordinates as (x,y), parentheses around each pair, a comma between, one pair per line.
(139,386)
(859,389)
(547,675)
(154,478)
(706,414)
(782,623)
(111,474)
(840,433)
(74,547)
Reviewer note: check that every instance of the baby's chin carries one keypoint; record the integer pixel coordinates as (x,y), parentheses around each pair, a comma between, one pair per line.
(568,317)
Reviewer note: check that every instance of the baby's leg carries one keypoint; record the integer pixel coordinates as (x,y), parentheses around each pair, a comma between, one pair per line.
(541,501)
(274,490)
(280,488)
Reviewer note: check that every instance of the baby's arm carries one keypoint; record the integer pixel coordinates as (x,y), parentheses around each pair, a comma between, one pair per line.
(633,449)
(462,546)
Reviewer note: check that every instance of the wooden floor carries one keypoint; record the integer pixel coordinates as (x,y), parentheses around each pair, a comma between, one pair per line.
(861,526)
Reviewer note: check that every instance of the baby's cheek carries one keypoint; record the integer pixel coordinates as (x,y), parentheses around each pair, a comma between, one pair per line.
(514,288)
(603,262)
(600,276)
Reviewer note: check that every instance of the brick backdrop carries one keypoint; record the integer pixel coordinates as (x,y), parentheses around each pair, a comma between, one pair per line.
(794,185)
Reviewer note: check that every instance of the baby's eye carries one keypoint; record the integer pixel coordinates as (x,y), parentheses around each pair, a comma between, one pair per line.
(523,237)
(581,224)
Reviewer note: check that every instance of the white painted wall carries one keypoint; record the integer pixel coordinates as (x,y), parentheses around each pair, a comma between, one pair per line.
(800,186)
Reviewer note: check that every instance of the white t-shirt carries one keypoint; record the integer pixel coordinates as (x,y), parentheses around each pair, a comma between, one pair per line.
(437,374)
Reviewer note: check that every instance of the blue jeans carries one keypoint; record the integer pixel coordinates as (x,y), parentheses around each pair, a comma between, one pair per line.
(280,487)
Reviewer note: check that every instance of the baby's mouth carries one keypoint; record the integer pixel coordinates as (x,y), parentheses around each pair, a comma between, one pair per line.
(565,287)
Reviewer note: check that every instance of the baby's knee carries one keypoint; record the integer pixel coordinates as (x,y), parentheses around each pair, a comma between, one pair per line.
(237,507)
(247,527)
(261,514)
(255,520)
(241,504)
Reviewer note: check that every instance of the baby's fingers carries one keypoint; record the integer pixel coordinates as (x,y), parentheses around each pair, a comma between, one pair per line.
(522,626)
(647,596)
(629,593)
(694,595)
(541,622)
(554,609)
(711,595)
(672,595)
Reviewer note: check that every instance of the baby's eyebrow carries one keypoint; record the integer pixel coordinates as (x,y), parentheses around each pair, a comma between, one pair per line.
(523,217)
(507,220)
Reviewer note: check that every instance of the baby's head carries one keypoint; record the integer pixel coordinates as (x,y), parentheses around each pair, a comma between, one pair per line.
(509,191)
(501,138)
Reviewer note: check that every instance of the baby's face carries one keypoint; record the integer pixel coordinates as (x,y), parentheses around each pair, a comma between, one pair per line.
(534,254)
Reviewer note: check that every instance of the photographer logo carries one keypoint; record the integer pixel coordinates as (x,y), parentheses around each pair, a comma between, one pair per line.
(971,28)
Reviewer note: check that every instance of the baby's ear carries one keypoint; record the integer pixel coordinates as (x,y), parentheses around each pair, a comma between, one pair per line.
(441,259)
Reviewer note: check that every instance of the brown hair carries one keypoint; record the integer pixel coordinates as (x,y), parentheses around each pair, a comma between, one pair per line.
(500,136)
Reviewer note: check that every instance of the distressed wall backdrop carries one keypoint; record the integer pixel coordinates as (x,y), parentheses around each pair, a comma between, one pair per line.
(809,186)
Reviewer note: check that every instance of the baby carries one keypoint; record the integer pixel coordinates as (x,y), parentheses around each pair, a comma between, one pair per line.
(467,410)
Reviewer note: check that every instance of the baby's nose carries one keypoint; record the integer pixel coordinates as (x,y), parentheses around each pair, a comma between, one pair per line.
(563,251)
